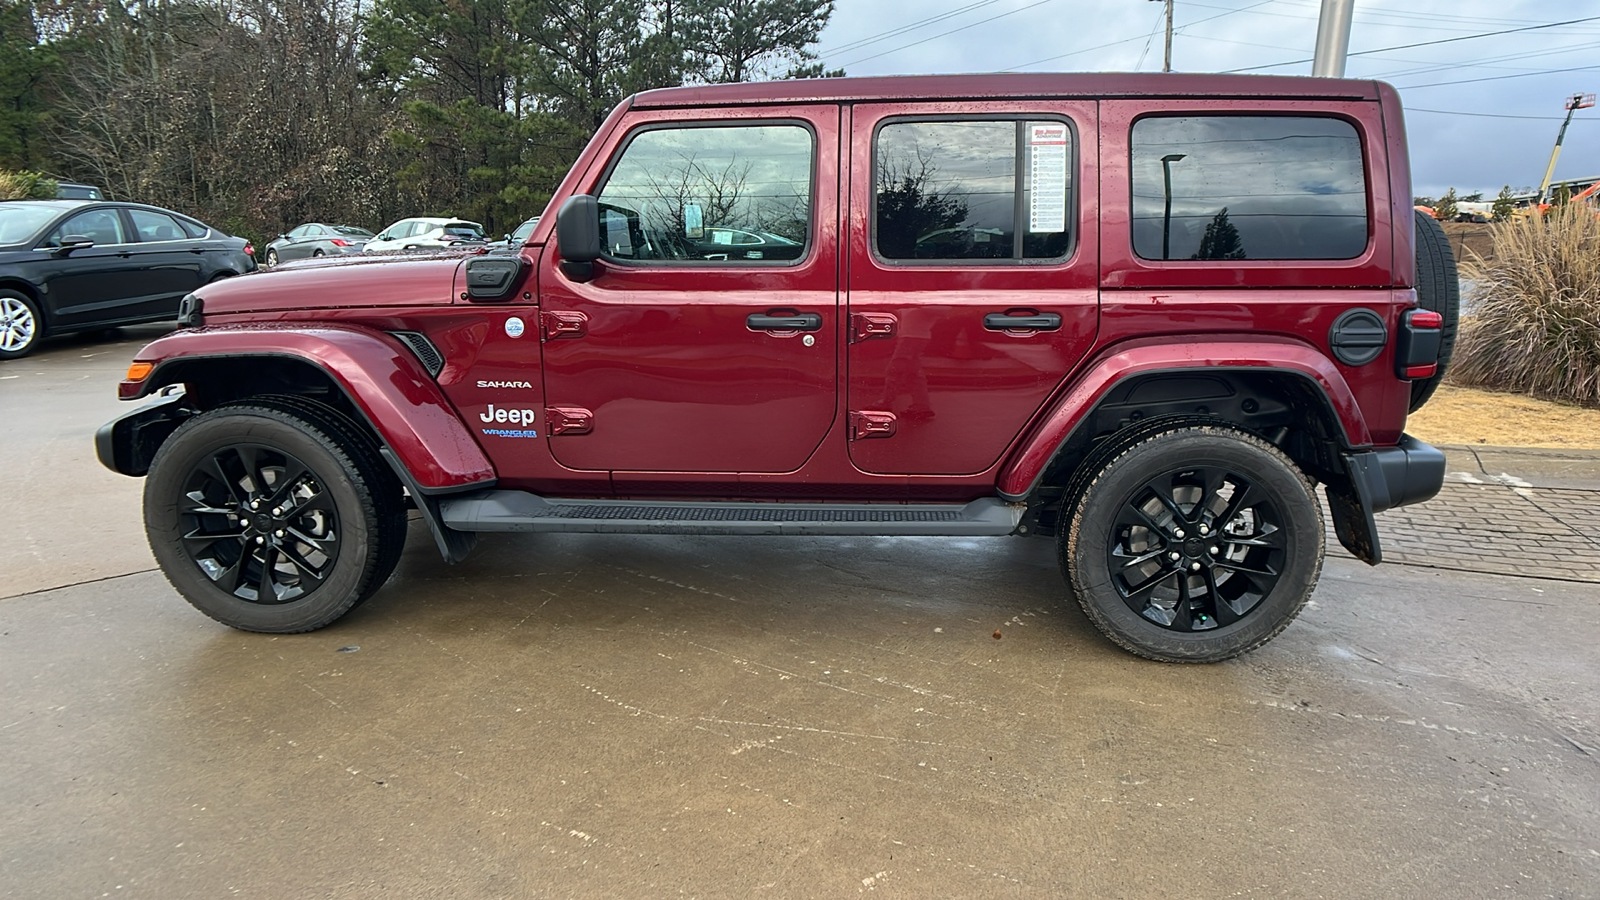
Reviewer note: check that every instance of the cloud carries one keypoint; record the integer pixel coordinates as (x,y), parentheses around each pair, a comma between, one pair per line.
(1468,152)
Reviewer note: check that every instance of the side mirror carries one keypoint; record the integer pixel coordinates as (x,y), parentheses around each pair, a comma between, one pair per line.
(73,242)
(578,236)
(383,237)
(508,238)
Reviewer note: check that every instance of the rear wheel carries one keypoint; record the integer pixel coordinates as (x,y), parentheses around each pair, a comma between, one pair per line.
(272,257)
(273,515)
(1195,544)
(21,327)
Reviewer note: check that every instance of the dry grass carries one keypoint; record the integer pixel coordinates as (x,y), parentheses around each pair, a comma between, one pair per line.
(1537,328)
(1460,415)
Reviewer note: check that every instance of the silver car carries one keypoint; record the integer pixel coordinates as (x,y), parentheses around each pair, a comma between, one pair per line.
(317,239)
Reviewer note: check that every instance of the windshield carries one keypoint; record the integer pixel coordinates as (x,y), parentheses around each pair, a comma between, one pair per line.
(352,231)
(19,224)
(523,230)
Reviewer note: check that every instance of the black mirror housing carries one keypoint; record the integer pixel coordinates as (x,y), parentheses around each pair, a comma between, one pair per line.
(71,242)
(578,236)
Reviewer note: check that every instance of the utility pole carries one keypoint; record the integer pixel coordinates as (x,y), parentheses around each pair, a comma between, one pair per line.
(1574,103)
(1333,39)
(1166,57)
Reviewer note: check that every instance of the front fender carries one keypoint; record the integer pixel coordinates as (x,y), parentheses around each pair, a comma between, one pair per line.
(1026,465)
(385,383)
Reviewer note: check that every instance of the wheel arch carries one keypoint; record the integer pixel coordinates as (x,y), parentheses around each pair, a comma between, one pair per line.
(368,377)
(1287,392)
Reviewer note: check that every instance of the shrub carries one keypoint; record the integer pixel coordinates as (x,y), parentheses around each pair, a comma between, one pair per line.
(25,186)
(1536,328)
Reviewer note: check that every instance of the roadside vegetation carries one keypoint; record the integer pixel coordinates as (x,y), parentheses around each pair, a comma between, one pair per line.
(257,115)
(1536,303)
(25,186)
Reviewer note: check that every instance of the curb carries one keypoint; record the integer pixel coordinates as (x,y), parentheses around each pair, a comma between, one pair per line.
(1535,467)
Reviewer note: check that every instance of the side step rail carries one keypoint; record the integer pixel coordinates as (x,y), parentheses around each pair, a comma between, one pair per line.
(500,510)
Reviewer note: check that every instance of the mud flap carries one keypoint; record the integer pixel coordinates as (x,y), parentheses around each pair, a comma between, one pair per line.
(453,545)
(1353,522)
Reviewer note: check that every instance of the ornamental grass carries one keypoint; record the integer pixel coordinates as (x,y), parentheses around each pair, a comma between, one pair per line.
(1536,323)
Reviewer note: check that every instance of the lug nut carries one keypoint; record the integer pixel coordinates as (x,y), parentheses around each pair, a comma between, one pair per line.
(1213,551)
(1173,555)
(277,510)
(260,539)
(1204,529)
(1194,567)
(1177,532)
(279,532)
(244,522)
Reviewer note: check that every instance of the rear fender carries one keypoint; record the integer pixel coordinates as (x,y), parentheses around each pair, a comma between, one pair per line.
(1023,470)
(380,379)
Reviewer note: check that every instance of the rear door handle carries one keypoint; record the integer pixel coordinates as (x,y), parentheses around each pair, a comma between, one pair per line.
(798,322)
(1040,322)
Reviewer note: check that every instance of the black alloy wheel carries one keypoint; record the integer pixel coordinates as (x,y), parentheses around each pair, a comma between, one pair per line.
(276,514)
(259,523)
(1192,543)
(1196,549)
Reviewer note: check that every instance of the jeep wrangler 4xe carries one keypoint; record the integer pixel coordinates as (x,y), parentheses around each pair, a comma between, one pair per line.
(1140,315)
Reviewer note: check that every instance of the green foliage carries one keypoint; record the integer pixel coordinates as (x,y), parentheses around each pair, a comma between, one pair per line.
(26,186)
(1536,329)
(1445,210)
(1504,204)
(257,115)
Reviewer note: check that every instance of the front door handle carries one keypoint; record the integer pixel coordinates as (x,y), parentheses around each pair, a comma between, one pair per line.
(809,321)
(1038,322)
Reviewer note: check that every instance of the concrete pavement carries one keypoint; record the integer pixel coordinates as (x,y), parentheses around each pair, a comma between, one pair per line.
(620,716)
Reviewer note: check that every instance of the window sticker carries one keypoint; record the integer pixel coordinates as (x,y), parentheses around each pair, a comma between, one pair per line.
(1047,177)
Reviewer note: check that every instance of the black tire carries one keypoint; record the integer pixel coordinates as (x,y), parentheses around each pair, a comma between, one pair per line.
(1438,289)
(21,325)
(273,515)
(1255,562)
(272,257)
(317,254)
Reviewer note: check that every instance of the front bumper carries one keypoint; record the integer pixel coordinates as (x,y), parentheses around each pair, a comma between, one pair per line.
(128,443)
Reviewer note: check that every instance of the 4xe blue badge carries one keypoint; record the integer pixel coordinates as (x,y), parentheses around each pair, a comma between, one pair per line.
(514,327)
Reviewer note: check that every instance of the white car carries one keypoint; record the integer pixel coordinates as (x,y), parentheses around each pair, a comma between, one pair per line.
(415,234)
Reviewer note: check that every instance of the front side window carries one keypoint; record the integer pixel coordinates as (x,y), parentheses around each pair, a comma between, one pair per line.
(1248,187)
(103,226)
(721,194)
(953,190)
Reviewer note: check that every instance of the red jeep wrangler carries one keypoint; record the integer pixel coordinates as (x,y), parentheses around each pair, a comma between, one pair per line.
(1143,315)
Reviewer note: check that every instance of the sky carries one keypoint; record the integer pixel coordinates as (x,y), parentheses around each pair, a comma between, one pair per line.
(1481,112)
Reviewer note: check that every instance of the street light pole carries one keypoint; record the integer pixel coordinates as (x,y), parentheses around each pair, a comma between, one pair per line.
(1166,212)
(1333,38)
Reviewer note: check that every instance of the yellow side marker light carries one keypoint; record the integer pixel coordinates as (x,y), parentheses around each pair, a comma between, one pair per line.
(139,371)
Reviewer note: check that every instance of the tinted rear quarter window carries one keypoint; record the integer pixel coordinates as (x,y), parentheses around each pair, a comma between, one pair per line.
(1248,187)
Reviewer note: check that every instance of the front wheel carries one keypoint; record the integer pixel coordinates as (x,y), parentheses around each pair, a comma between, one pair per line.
(272,257)
(1194,545)
(273,516)
(20,325)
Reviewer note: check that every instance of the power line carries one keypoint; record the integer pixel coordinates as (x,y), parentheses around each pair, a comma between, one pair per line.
(1128,40)
(950,32)
(1468,37)
(1432,22)
(913,26)
(1412,87)
(1457,112)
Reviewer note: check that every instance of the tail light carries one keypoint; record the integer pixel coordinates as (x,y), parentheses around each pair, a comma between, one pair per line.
(249,249)
(339,242)
(1417,353)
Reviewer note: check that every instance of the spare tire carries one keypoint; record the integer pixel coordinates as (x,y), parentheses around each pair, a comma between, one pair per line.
(1438,289)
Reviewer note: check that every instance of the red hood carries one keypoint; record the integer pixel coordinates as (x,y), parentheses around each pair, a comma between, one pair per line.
(359,281)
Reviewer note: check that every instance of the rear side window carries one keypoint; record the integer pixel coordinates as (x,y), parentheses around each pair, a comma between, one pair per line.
(954,190)
(153,226)
(719,194)
(1248,187)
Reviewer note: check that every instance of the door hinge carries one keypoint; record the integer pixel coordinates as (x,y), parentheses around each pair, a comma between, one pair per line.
(560,324)
(871,423)
(567,420)
(866,326)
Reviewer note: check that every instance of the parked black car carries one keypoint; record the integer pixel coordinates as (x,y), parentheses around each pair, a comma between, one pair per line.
(76,265)
(316,239)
